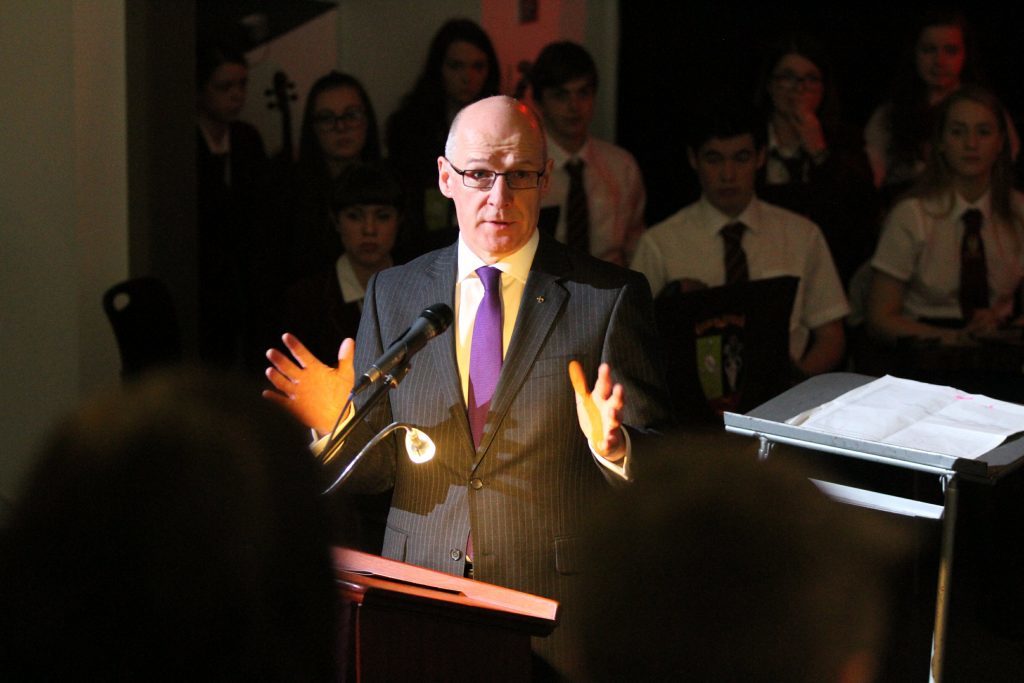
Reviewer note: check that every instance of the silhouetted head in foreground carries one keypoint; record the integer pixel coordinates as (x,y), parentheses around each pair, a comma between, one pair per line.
(716,568)
(171,530)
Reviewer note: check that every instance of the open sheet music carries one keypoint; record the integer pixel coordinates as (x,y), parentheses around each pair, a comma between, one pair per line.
(919,416)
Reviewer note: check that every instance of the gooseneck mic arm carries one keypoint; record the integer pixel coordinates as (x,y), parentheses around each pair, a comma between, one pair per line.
(338,436)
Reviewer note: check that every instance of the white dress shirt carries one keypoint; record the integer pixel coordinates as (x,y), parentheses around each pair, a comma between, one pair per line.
(920,246)
(777,242)
(352,290)
(615,197)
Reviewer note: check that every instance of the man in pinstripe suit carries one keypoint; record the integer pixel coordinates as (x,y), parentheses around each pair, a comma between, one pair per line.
(544,458)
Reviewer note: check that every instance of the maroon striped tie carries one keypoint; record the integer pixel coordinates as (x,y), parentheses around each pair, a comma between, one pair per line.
(577,217)
(735,257)
(973,273)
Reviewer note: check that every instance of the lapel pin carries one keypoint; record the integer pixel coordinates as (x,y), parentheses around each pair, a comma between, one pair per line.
(540,299)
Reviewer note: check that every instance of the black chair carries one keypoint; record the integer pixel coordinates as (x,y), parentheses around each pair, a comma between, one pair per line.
(142,314)
(727,347)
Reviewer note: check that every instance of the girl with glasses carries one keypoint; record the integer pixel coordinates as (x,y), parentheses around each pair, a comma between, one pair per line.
(815,164)
(339,129)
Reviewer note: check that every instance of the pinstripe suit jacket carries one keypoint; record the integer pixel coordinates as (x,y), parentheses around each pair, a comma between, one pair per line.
(526,490)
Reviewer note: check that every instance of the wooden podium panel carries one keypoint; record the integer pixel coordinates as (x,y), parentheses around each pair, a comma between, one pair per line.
(402,622)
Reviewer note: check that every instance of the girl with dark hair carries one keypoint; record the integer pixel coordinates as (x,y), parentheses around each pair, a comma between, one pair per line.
(222,78)
(298,234)
(461,68)
(815,165)
(339,125)
(339,128)
(942,56)
(927,258)
(325,307)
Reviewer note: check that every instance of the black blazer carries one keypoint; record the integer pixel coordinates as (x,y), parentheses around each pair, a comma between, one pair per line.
(316,313)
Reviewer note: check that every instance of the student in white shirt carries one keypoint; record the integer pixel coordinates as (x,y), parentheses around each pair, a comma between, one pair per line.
(727,149)
(564,85)
(915,289)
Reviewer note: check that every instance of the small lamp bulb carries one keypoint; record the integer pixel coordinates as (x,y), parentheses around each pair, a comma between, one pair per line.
(419,446)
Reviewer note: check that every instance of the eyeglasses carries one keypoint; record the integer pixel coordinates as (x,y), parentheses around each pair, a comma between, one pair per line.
(484,180)
(328,120)
(792,80)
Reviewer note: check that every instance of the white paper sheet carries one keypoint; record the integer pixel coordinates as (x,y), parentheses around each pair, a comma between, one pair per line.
(926,417)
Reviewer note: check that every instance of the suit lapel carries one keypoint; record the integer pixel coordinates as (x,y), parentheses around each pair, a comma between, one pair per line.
(440,286)
(543,300)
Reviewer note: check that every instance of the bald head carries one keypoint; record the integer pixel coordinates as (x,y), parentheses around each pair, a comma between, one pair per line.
(495,135)
(494,111)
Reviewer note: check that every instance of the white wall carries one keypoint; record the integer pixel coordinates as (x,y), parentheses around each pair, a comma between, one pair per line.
(101,179)
(63,232)
(384,43)
(593,24)
(304,55)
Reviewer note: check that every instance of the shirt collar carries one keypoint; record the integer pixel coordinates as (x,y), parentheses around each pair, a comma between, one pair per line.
(222,146)
(351,289)
(774,144)
(983,204)
(516,264)
(560,156)
(714,220)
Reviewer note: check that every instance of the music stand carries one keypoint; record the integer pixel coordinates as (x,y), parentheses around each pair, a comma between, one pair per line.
(768,423)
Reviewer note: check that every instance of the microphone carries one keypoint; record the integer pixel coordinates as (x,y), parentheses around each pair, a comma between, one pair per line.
(432,321)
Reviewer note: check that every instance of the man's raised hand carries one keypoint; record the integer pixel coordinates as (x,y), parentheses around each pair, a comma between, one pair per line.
(315,393)
(599,411)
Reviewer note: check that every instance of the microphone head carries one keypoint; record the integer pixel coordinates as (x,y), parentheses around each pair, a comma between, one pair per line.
(439,317)
(431,322)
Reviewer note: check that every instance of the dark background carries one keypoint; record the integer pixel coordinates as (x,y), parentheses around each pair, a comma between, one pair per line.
(671,53)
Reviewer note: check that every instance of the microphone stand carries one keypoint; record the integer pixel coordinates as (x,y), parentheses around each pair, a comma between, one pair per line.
(335,443)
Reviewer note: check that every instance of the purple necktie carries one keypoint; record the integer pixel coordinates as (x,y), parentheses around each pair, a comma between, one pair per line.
(484,362)
(485,353)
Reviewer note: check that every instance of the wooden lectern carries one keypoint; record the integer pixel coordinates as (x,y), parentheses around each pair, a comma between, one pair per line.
(401,622)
